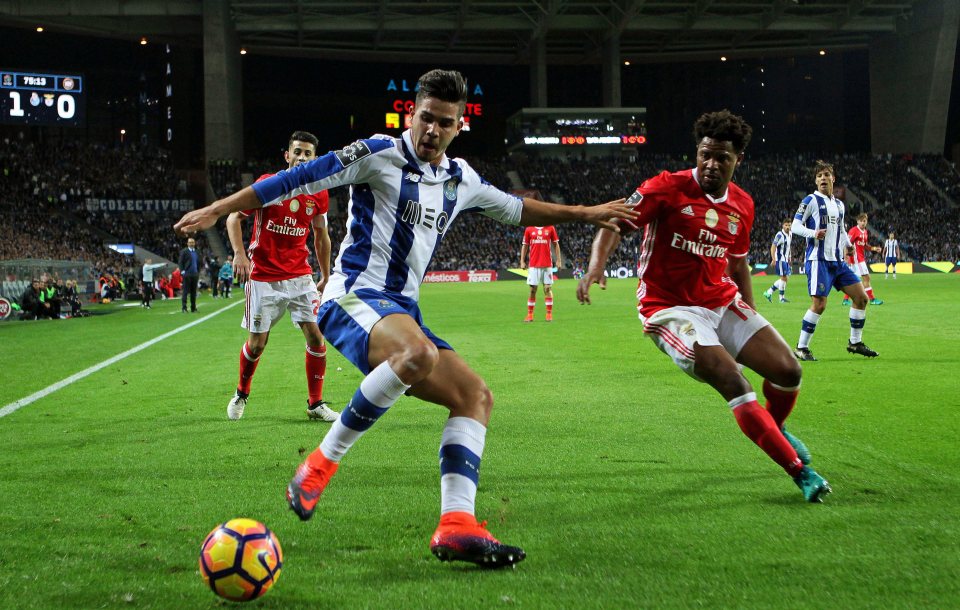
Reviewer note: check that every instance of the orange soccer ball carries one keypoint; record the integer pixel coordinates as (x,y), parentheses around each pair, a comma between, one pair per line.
(240,559)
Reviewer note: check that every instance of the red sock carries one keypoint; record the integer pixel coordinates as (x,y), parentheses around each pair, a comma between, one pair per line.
(870,293)
(759,427)
(316,368)
(549,304)
(780,402)
(530,306)
(248,364)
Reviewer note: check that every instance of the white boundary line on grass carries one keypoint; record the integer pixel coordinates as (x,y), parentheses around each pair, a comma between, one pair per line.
(18,404)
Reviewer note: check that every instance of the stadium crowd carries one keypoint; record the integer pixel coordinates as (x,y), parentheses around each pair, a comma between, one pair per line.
(44,213)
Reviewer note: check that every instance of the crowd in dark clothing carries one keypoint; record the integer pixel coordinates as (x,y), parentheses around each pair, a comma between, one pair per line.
(43,213)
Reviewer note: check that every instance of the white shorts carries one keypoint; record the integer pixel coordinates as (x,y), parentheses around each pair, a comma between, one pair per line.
(266,302)
(675,330)
(860,268)
(540,275)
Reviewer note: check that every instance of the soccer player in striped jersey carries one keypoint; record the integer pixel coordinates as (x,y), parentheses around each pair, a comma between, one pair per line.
(780,261)
(820,220)
(891,254)
(405,193)
(859,237)
(696,296)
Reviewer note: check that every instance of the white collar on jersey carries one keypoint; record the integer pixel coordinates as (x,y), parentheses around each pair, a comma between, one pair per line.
(712,199)
(825,197)
(444,162)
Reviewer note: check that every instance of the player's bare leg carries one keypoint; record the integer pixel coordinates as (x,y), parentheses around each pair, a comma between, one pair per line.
(399,355)
(716,367)
(769,355)
(459,537)
(315,359)
(858,314)
(249,359)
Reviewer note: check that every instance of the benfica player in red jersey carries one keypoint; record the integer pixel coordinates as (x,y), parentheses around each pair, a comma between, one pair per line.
(539,242)
(695,292)
(859,237)
(280,279)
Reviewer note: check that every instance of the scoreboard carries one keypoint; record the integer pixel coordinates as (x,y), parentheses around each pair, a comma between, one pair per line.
(38,98)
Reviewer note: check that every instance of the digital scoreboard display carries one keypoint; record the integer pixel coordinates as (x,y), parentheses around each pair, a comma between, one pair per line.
(42,98)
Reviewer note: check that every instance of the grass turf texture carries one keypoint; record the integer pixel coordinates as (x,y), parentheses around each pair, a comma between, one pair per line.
(627,483)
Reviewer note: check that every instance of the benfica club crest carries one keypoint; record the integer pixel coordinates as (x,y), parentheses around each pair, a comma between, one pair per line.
(310,205)
(732,224)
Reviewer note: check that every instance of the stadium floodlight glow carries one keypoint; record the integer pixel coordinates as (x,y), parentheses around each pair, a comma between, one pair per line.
(822,52)
(143,40)
(626,63)
(243,51)
(39,28)
(723,58)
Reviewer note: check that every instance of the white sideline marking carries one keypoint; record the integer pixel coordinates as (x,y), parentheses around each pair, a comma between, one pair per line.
(13,406)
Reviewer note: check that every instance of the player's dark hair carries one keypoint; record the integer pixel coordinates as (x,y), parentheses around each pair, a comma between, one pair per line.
(302,136)
(821,165)
(443,85)
(786,221)
(723,126)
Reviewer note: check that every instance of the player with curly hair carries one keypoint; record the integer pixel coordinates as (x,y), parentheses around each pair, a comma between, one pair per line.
(695,292)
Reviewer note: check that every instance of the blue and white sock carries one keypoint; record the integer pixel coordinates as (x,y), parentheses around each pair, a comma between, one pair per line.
(461,448)
(857,320)
(807,328)
(377,393)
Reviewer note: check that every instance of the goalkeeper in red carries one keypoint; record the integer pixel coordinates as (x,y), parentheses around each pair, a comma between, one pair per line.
(695,292)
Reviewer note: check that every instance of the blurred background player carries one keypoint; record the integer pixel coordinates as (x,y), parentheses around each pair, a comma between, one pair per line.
(891,254)
(780,261)
(147,283)
(860,239)
(225,277)
(820,220)
(278,278)
(539,242)
(371,312)
(696,295)
(190,268)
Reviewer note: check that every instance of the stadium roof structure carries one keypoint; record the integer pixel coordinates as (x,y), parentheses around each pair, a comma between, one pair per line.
(489,31)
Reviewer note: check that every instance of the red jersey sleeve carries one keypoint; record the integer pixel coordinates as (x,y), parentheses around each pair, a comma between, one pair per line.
(648,200)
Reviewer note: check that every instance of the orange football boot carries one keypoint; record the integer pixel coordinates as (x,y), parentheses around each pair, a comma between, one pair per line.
(460,538)
(308,483)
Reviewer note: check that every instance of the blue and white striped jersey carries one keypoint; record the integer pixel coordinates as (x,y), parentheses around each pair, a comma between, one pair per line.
(818,211)
(782,241)
(400,208)
(891,248)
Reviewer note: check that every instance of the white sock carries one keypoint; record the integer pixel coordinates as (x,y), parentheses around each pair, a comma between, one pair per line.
(461,448)
(807,328)
(377,393)
(857,320)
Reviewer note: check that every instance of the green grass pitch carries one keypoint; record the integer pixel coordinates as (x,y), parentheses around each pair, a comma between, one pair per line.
(627,483)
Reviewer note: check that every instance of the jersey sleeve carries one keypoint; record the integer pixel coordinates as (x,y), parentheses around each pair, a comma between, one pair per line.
(478,195)
(648,200)
(806,210)
(555,237)
(526,236)
(353,164)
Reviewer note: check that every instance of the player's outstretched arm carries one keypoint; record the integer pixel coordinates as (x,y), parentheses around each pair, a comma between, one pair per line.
(605,242)
(241,264)
(739,272)
(206,217)
(538,213)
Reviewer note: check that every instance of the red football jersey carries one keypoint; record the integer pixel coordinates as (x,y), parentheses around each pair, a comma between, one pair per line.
(688,238)
(539,241)
(278,242)
(858,237)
